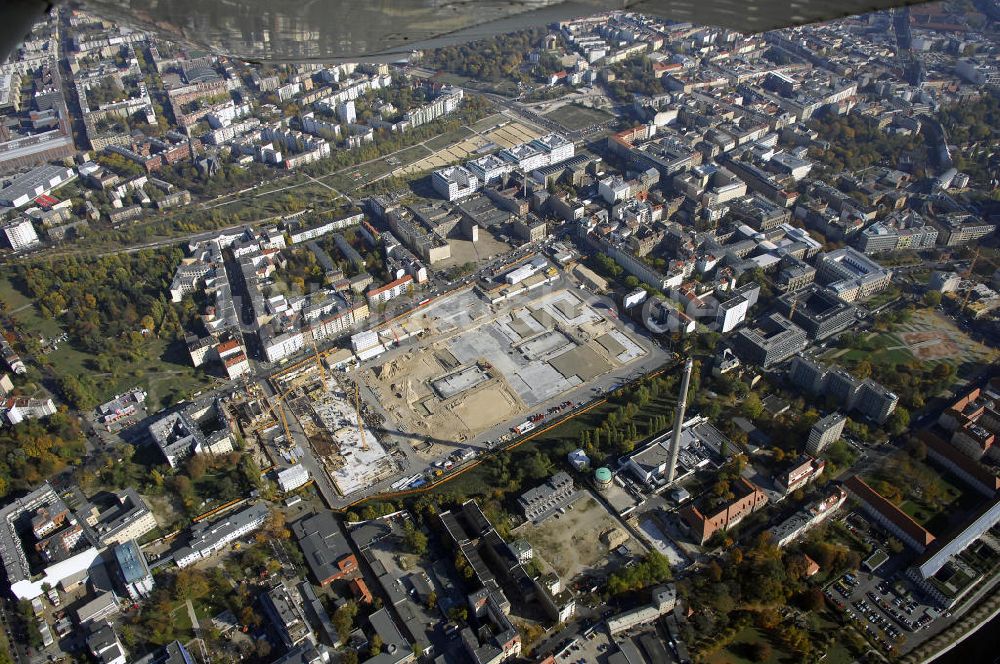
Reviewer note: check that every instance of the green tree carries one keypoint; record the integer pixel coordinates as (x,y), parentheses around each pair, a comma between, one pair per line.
(752,407)
(414,539)
(190,583)
(899,421)
(343,619)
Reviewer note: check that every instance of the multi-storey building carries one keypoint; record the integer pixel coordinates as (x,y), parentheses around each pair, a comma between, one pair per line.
(454,182)
(326,551)
(489,169)
(903,232)
(864,396)
(771,340)
(852,275)
(817,310)
(887,515)
(133,572)
(825,432)
(957,230)
(207,537)
(20,234)
(801,471)
(541,500)
(128,519)
(391,290)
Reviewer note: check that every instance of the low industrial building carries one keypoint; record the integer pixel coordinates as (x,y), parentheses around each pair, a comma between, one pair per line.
(705,519)
(37,182)
(700,443)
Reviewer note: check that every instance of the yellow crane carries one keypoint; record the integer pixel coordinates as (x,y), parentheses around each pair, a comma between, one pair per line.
(284,422)
(968,276)
(319,365)
(357,409)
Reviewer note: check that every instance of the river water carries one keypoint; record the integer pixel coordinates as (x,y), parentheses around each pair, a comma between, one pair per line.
(980,648)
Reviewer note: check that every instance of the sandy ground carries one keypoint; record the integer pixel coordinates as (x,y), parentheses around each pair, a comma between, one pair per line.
(570,544)
(931,336)
(503,137)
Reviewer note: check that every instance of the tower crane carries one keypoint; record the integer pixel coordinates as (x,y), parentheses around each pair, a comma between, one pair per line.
(280,407)
(319,365)
(968,276)
(357,409)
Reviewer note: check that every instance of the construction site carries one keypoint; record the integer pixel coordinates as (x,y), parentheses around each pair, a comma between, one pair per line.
(477,365)
(325,414)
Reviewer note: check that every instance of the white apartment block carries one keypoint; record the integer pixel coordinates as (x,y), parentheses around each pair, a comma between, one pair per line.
(207,538)
(526,157)
(454,182)
(20,234)
(389,291)
(489,169)
(346,111)
(559,148)
(283,345)
(293,477)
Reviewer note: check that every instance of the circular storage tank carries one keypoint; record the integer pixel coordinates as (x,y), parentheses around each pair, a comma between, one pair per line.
(602,476)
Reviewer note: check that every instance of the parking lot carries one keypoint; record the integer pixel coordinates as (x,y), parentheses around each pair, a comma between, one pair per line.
(887,616)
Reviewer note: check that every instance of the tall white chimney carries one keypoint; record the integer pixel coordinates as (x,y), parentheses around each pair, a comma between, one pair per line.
(675,441)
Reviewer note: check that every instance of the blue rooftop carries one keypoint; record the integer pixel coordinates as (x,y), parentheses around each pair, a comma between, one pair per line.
(131,561)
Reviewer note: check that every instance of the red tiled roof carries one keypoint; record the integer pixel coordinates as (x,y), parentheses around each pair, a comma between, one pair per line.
(967,465)
(228,345)
(886,508)
(235,359)
(392,284)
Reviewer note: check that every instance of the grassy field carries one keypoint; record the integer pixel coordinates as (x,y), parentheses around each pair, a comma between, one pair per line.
(878,349)
(447,138)
(490,122)
(923,514)
(167,375)
(575,117)
(739,650)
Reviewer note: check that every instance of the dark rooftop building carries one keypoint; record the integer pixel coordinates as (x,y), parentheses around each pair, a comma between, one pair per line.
(817,310)
(770,341)
(325,548)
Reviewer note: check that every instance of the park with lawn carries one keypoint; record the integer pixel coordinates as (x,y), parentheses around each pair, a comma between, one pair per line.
(576,117)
